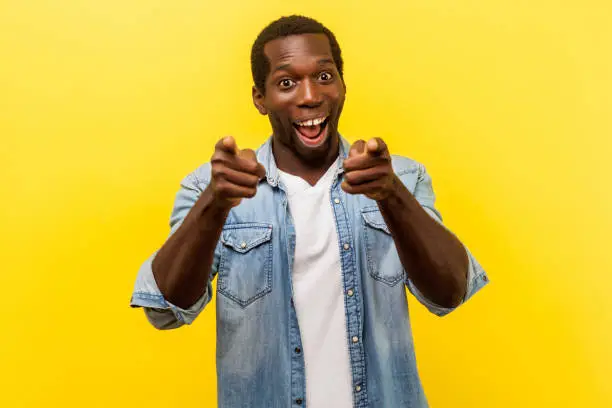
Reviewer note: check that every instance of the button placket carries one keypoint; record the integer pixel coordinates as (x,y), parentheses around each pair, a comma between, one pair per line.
(350,274)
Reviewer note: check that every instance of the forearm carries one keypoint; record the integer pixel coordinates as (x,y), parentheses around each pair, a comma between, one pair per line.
(434,258)
(182,266)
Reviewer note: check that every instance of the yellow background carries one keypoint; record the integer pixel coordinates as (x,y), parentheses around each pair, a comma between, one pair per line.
(106,105)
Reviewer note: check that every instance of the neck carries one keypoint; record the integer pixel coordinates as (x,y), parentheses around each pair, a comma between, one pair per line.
(310,170)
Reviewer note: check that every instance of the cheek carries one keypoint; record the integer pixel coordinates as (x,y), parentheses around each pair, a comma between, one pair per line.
(279,106)
(280,111)
(278,99)
(337,97)
(278,120)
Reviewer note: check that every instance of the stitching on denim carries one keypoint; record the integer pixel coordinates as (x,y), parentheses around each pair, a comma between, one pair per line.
(391,281)
(222,287)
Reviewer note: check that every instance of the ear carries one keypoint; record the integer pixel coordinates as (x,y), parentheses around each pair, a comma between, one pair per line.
(258,101)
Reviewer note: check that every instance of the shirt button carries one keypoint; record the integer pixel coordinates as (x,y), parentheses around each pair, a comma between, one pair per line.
(355,339)
(358,388)
(243,245)
(337,200)
(298,350)
(347,246)
(350,292)
(298,401)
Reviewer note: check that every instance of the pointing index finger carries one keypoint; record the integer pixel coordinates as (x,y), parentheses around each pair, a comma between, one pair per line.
(228,144)
(376,146)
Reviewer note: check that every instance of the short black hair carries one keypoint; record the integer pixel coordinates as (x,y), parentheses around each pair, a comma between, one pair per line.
(284,27)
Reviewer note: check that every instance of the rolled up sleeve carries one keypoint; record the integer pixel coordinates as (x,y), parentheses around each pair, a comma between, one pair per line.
(146,294)
(477,277)
(161,313)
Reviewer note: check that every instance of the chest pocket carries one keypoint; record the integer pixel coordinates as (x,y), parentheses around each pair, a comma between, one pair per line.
(245,265)
(383,260)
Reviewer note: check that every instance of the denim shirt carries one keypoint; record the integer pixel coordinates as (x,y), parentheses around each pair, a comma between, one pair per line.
(259,358)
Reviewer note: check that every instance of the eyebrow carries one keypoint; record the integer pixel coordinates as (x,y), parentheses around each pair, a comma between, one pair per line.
(319,62)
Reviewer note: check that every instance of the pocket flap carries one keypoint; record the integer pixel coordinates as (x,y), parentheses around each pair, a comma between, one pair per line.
(373,217)
(244,237)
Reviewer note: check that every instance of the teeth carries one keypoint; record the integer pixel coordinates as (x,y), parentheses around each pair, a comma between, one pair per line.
(312,122)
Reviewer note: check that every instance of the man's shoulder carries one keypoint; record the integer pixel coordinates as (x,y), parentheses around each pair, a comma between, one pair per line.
(403,165)
(198,178)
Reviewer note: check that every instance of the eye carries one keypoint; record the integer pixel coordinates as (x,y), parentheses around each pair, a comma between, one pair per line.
(286,83)
(325,76)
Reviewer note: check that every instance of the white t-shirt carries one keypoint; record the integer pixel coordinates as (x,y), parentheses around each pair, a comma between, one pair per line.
(318,292)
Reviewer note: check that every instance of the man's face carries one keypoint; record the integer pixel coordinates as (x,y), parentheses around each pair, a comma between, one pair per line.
(304,95)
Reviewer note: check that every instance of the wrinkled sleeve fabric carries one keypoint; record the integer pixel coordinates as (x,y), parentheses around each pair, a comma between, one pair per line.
(161,313)
(477,277)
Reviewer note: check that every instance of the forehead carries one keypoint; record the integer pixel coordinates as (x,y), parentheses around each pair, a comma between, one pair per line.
(294,47)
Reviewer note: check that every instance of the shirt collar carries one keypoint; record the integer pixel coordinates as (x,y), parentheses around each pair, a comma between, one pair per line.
(266,157)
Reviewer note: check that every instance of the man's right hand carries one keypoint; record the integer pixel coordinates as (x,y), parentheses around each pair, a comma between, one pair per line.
(235,173)
(183,265)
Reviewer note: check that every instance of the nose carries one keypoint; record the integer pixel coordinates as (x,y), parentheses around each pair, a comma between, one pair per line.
(309,95)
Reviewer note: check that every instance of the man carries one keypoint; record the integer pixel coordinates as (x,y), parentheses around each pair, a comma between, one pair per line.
(312,242)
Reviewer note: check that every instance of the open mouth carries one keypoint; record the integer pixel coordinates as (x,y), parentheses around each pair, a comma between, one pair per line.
(313,131)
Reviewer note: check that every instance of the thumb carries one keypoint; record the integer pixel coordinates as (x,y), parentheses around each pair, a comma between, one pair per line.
(249,155)
(357,148)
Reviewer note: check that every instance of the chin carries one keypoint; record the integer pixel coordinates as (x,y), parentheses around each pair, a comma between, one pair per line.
(314,151)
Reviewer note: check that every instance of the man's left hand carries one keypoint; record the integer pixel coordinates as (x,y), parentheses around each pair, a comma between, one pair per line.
(368,170)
